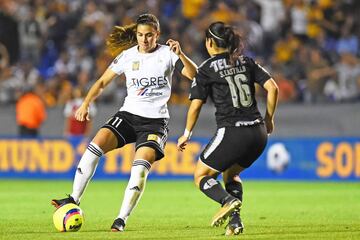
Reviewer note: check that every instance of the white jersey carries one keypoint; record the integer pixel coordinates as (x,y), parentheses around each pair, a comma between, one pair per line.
(148,80)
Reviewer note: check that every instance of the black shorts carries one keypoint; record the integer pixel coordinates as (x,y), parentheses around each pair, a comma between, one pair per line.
(130,128)
(235,145)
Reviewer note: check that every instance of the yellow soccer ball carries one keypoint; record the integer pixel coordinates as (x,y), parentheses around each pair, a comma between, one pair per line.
(68,218)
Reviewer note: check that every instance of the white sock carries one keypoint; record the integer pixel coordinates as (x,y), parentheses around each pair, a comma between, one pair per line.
(135,187)
(86,170)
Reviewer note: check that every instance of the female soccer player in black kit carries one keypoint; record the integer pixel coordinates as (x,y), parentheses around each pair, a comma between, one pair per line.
(229,79)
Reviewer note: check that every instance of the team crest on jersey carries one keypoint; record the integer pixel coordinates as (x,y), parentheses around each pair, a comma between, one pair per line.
(135,65)
(153,137)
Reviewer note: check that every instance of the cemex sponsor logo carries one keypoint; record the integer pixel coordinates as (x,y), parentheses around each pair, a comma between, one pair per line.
(142,91)
(148,92)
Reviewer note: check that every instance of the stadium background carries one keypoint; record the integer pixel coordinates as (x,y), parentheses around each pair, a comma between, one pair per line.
(311,47)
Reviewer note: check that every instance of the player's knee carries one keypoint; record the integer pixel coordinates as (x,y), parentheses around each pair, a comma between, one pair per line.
(106,140)
(197,179)
(147,153)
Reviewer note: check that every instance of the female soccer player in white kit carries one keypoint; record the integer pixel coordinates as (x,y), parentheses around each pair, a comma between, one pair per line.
(143,118)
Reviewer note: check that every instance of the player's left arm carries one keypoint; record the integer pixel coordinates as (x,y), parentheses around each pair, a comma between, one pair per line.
(192,117)
(271,103)
(189,69)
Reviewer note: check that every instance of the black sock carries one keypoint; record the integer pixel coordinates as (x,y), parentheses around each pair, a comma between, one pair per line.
(213,189)
(236,215)
(235,189)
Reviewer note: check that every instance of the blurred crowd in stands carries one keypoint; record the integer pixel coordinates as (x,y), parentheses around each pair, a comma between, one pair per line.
(311,47)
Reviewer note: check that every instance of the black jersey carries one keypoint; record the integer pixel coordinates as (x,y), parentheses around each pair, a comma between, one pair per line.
(231,88)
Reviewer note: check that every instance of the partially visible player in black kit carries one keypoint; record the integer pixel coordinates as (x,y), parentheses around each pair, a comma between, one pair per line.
(229,78)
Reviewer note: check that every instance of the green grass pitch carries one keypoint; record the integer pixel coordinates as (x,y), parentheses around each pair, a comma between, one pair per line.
(177,210)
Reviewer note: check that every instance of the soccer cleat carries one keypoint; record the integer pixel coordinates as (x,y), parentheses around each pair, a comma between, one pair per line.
(235,225)
(118,225)
(59,202)
(225,211)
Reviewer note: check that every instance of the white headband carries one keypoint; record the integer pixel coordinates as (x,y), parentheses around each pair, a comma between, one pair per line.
(215,35)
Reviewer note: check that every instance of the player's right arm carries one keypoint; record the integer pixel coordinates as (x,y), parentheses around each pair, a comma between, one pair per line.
(192,117)
(198,95)
(82,113)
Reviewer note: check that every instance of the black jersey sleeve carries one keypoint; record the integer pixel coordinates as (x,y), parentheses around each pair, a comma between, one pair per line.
(260,74)
(199,87)
(179,65)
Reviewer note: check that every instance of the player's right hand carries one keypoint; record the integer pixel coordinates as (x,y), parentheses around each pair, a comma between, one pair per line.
(182,141)
(82,113)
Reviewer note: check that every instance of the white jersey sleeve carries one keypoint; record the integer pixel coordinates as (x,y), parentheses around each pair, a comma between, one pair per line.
(118,65)
(174,58)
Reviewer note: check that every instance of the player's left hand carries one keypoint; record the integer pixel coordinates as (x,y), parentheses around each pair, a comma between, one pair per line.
(174,46)
(182,141)
(269,123)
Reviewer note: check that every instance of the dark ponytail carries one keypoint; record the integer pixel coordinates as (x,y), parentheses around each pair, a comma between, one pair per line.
(121,38)
(226,37)
(124,37)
